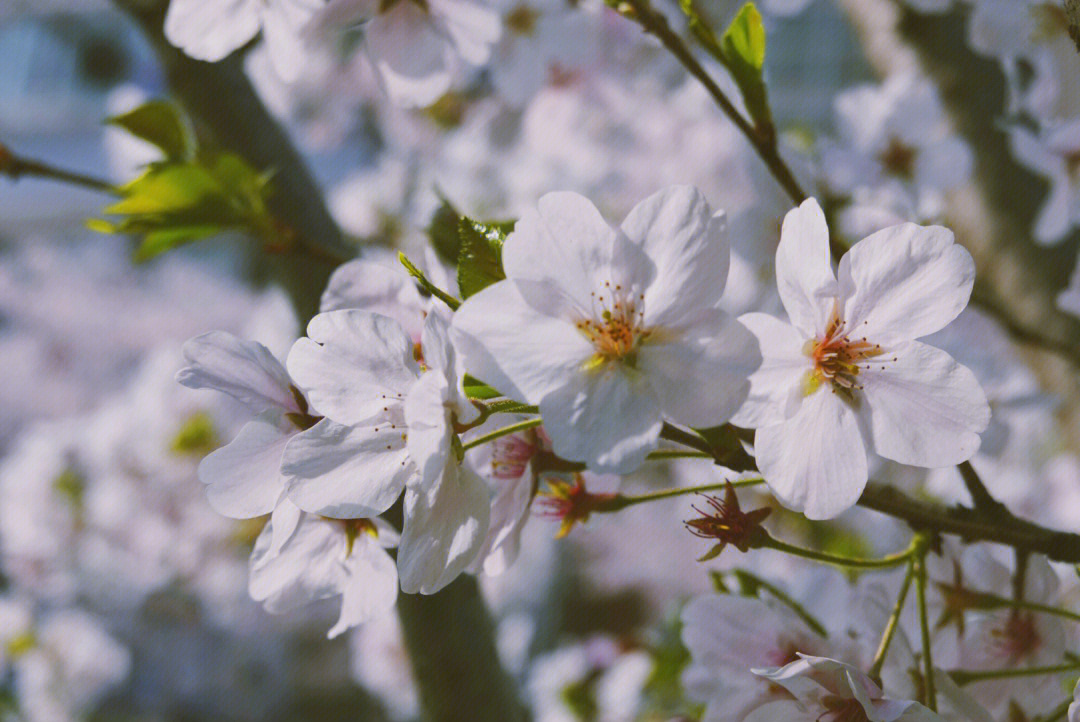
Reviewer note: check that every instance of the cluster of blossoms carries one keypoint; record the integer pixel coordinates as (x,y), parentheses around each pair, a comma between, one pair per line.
(610,334)
(402,442)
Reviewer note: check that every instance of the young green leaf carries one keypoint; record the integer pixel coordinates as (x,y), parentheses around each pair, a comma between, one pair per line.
(480,256)
(162,124)
(443,232)
(743,48)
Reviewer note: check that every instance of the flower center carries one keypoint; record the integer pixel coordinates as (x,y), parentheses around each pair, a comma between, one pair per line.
(521,20)
(898,158)
(1017,639)
(838,358)
(616,327)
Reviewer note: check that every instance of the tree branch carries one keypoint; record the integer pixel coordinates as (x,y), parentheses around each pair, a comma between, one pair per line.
(16,167)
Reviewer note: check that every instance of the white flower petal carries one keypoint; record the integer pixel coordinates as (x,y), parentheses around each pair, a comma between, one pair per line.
(211,30)
(776,387)
(472,26)
(283,22)
(924,408)
(347,472)
(377,288)
(243,477)
(370,586)
(688,245)
(904,282)
(565,241)
(411,56)
(430,433)
(815,462)
(440,355)
(509,512)
(521,350)
(608,417)
(804,275)
(245,370)
(443,530)
(308,566)
(353,365)
(285,518)
(702,377)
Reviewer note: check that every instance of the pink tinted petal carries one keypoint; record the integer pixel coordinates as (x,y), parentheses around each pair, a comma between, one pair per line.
(776,387)
(924,408)
(904,282)
(804,275)
(609,417)
(243,478)
(815,462)
(245,370)
(689,247)
(347,472)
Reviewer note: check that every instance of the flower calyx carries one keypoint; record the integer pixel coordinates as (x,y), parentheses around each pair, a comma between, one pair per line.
(727,523)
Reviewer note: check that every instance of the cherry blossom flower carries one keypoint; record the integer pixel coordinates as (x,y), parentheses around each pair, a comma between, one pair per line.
(323,558)
(610,331)
(212,30)
(826,690)
(388,426)
(729,634)
(845,377)
(1011,638)
(243,478)
(1074,708)
(415,48)
(540,38)
(508,466)
(1055,154)
(895,129)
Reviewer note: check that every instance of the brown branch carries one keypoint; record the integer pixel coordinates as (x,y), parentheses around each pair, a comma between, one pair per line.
(16,167)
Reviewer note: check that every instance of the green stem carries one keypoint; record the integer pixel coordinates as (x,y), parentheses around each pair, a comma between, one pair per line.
(892,625)
(509,406)
(965,676)
(678,454)
(886,562)
(504,431)
(919,566)
(427,285)
(621,501)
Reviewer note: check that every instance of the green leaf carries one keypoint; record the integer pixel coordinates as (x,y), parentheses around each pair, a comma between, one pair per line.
(480,256)
(744,40)
(743,49)
(443,232)
(155,243)
(164,189)
(172,203)
(427,285)
(163,124)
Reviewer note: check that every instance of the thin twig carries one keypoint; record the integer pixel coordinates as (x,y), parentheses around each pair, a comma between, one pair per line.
(16,167)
